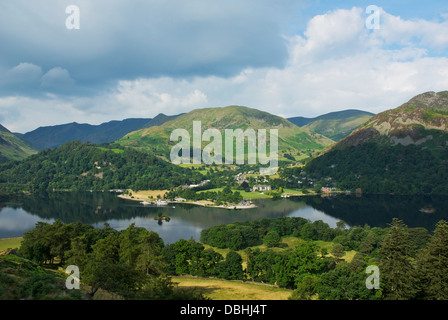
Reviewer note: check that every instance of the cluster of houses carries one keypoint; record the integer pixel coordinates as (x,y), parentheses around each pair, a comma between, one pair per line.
(240,179)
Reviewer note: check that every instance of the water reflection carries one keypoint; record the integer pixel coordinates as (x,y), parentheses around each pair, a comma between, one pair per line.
(19,214)
(379,210)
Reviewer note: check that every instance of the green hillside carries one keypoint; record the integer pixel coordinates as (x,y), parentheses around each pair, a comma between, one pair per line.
(294,143)
(12,147)
(83,167)
(402,150)
(338,125)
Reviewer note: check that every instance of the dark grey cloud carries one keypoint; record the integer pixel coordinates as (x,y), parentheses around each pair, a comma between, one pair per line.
(140,38)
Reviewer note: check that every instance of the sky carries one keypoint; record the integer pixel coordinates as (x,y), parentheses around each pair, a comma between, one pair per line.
(95,61)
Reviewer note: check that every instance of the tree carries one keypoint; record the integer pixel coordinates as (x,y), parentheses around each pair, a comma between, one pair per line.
(36,243)
(368,244)
(433,264)
(341,225)
(272,239)
(114,277)
(231,268)
(77,255)
(182,256)
(338,251)
(308,232)
(344,283)
(210,259)
(306,288)
(304,261)
(317,188)
(128,244)
(398,277)
(105,270)
(150,260)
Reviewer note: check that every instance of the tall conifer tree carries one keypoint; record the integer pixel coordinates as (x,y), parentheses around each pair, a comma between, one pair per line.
(433,265)
(397,273)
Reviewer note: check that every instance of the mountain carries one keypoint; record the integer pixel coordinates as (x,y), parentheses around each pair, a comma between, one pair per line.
(300,121)
(401,150)
(334,125)
(293,142)
(54,136)
(12,147)
(422,121)
(158,120)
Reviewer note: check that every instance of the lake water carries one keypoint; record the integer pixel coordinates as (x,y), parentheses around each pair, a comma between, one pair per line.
(18,215)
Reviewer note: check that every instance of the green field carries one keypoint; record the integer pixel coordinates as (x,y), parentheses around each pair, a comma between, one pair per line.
(259,195)
(119,151)
(217,289)
(9,243)
(244,194)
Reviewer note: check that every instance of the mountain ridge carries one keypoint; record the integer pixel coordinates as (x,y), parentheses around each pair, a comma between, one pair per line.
(334,125)
(421,120)
(54,136)
(292,139)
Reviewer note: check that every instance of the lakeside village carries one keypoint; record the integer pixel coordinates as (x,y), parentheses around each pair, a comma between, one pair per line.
(223,198)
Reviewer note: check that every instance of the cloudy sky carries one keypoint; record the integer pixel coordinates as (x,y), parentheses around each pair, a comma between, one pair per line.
(139,58)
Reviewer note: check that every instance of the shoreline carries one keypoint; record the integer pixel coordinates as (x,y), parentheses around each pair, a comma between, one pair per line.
(196,203)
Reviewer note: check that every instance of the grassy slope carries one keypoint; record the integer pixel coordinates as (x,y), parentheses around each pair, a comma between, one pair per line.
(337,129)
(217,289)
(10,243)
(292,139)
(13,148)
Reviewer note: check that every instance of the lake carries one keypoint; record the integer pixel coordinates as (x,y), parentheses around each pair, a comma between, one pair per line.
(17,215)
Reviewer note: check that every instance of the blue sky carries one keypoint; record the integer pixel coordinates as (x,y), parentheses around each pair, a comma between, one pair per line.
(139,58)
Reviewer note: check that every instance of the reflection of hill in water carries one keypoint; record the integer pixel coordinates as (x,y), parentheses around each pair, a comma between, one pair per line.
(97,207)
(216,216)
(379,210)
(85,207)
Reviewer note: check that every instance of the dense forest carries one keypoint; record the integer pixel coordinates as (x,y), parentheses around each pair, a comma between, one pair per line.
(378,168)
(84,166)
(136,264)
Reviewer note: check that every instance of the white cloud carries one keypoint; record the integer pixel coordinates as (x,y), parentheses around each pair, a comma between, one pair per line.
(340,30)
(336,64)
(56,77)
(24,76)
(395,30)
(22,114)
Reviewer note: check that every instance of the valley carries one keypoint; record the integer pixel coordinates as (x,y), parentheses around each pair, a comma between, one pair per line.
(338,201)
